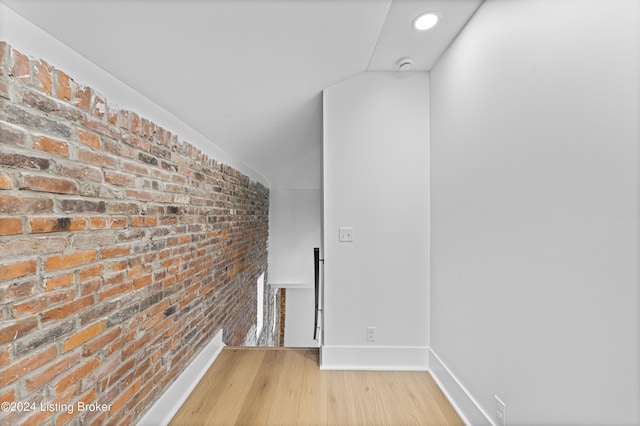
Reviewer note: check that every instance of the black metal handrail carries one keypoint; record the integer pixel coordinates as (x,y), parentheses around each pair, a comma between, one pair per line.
(316,270)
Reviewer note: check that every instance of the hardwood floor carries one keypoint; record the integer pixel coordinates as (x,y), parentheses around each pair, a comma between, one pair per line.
(267,386)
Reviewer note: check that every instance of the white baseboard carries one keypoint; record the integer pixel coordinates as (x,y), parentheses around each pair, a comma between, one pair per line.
(172,399)
(461,400)
(385,358)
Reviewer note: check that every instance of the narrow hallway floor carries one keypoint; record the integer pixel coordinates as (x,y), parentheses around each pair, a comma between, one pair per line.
(269,386)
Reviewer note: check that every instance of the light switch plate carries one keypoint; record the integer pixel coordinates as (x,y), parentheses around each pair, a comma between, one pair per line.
(345,235)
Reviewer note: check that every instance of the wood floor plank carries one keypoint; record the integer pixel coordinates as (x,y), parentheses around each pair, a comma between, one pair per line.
(370,389)
(399,403)
(288,390)
(312,410)
(212,383)
(258,401)
(286,387)
(439,401)
(225,391)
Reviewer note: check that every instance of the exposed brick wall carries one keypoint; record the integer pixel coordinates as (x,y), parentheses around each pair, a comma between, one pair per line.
(282,313)
(270,335)
(123,250)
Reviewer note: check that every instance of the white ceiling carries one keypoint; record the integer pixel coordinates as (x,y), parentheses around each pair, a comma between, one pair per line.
(247,74)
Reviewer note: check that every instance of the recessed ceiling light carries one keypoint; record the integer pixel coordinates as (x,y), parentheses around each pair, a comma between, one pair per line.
(425,21)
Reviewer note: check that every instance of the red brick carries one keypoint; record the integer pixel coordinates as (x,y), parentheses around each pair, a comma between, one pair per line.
(83,335)
(89,139)
(10,135)
(40,302)
(99,105)
(29,246)
(121,179)
(142,281)
(117,266)
(21,161)
(101,127)
(82,171)
(26,365)
(52,146)
(144,221)
(98,222)
(124,367)
(135,123)
(39,417)
(67,261)
(134,271)
(151,322)
(11,205)
(57,224)
(117,222)
(43,76)
(50,184)
(115,279)
(5,181)
(91,272)
(68,309)
(17,290)
(114,291)
(125,396)
(107,253)
(134,168)
(90,286)
(64,280)
(4,358)
(65,363)
(18,269)
(112,114)
(76,375)
(82,97)
(20,67)
(144,127)
(10,226)
(64,85)
(133,347)
(64,417)
(96,344)
(138,195)
(17,329)
(143,370)
(123,119)
(96,158)
(8,396)
(116,346)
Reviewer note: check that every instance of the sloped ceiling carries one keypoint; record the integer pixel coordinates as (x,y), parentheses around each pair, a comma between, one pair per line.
(247,74)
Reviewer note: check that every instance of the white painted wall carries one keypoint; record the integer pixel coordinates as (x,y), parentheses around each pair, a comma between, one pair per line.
(376,180)
(33,41)
(299,318)
(294,230)
(535,210)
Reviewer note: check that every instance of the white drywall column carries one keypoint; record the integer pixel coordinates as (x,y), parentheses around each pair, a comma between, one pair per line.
(376,180)
(535,211)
